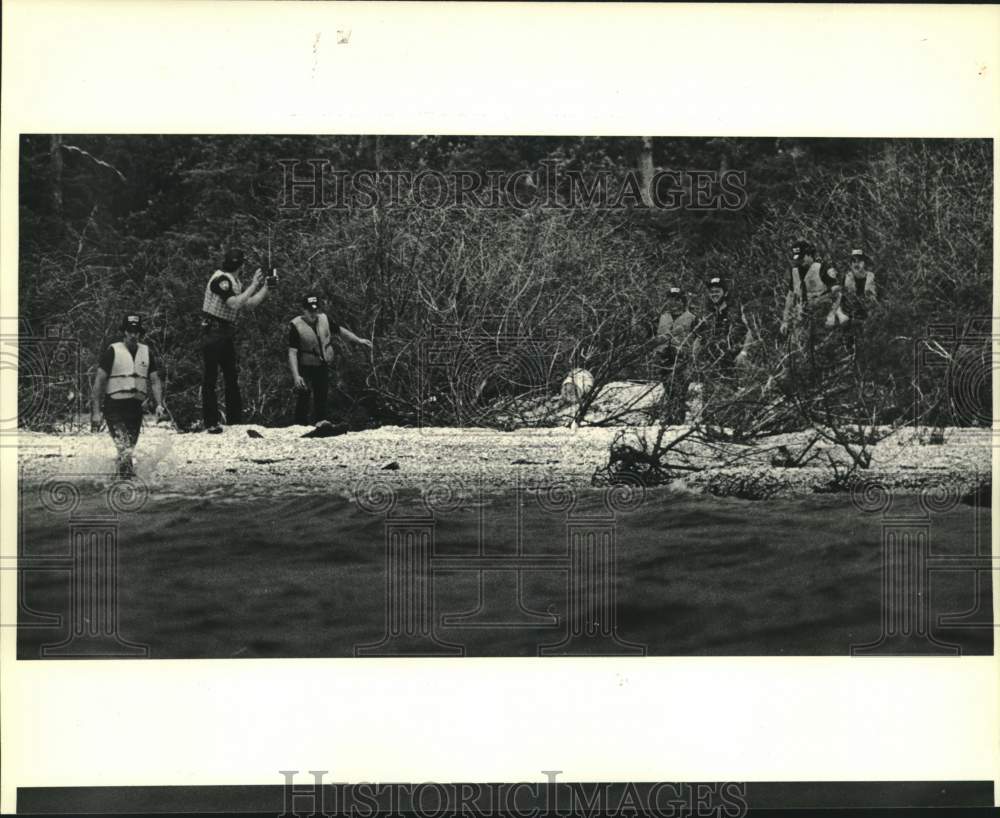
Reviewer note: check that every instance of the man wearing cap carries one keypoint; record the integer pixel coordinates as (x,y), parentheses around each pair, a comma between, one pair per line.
(859,286)
(224,298)
(310,354)
(722,338)
(813,292)
(675,325)
(672,348)
(859,294)
(126,373)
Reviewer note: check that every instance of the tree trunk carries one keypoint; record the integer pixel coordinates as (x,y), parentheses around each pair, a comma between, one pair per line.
(646,170)
(56,166)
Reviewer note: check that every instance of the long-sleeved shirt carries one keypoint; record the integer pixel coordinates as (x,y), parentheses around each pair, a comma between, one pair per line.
(722,333)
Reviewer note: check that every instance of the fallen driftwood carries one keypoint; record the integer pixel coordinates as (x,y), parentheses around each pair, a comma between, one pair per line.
(326,429)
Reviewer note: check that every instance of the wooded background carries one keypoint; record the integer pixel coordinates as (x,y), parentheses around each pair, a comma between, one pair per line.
(113,224)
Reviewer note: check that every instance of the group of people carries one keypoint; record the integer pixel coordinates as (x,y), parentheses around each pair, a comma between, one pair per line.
(128,370)
(310,344)
(819,301)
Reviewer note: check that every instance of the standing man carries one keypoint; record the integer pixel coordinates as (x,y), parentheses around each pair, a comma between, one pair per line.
(672,352)
(310,354)
(126,373)
(722,336)
(859,286)
(721,344)
(813,293)
(859,294)
(675,326)
(224,298)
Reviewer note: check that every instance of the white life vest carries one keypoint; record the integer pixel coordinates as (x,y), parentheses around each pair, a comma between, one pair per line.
(814,283)
(214,304)
(129,376)
(315,345)
(675,331)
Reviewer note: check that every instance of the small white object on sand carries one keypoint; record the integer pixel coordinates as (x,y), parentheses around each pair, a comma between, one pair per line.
(576,384)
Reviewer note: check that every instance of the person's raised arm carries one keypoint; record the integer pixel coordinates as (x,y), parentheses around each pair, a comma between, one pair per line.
(241,300)
(258,296)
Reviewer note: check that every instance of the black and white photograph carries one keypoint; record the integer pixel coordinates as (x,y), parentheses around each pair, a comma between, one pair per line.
(395,401)
(505,396)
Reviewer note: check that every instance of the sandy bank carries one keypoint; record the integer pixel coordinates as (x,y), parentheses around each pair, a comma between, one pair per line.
(282,461)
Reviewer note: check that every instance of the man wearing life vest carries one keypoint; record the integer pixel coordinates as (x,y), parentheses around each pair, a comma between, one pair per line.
(813,294)
(224,298)
(675,325)
(672,352)
(310,354)
(127,372)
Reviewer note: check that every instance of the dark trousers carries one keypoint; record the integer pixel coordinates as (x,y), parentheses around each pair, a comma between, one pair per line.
(219,352)
(674,374)
(317,380)
(857,309)
(124,419)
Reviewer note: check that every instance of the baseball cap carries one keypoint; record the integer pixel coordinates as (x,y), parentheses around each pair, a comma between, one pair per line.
(311,301)
(858,254)
(802,248)
(716,281)
(675,292)
(132,322)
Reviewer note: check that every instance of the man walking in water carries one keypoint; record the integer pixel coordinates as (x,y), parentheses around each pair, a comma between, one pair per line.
(126,373)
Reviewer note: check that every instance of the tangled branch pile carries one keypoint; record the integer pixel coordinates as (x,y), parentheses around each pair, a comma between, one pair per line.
(478,313)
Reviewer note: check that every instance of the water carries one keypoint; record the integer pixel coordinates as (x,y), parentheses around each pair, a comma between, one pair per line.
(306,576)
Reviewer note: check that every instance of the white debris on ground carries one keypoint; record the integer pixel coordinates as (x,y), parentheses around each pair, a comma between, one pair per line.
(281,461)
(620,403)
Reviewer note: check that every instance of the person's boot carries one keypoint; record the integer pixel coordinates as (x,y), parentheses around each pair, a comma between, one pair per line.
(126,465)
(216,428)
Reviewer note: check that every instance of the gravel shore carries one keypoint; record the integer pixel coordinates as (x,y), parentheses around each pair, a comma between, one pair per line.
(281,461)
